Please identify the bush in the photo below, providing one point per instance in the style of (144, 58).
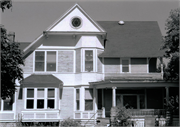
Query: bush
(70, 122)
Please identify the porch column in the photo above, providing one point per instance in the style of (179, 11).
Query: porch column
(167, 93)
(114, 96)
(103, 108)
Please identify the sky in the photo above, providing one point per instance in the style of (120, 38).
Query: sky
(29, 18)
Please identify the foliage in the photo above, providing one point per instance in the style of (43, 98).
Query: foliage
(6, 4)
(171, 45)
(172, 103)
(123, 116)
(11, 60)
(69, 122)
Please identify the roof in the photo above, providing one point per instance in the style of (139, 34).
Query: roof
(23, 45)
(41, 80)
(133, 39)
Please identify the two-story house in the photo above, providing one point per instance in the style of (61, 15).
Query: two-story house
(80, 68)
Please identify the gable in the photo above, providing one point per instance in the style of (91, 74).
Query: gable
(76, 12)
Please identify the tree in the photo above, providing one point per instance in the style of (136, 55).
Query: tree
(6, 4)
(171, 45)
(11, 60)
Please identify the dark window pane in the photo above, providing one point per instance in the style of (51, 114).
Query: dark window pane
(30, 104)
(20, 93)
(89, 66)
(142, 101)
(51, 61)
(88, 104)
(51, 66)
(40, 103)
(30, 93)
(125, 62)
(40, 93)
(77, 94)
(50, 104)
(130, 101)
(50, 93)
(39, 61)
(125, 69)
(89, 60)
(7, 105)
(77, 105)
(39, 66)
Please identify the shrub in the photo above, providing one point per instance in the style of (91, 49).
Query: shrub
(70, 122)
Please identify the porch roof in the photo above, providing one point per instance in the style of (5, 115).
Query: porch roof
(143, 83)
(39, 80)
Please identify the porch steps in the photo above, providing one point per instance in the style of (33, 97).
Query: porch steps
(103, 122)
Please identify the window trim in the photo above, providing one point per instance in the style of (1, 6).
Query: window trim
(13, 106)
(36, 98)
(94, 60)
(121, 65)
(45, 61)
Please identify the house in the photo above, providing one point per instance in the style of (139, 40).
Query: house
(81, 68)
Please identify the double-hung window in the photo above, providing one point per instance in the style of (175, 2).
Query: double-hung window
(45, 61)
(125, 65)
(89, 63)
(88, 99)
(77, 99)
(40, 98)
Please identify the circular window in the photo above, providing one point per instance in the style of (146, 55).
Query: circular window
(76, 22)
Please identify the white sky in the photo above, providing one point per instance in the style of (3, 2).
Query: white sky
(29, 18)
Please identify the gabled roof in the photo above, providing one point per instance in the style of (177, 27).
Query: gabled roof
(133, 39)
(39, 40)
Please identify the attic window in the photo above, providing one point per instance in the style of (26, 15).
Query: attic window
(76, 22)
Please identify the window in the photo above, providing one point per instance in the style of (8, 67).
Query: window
(88, 99)
(6, 105)
(40, 98)
(77, 99)
(89, 60)
(125, 65)
(45, 61)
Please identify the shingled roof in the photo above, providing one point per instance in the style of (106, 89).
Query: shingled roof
(133, 39)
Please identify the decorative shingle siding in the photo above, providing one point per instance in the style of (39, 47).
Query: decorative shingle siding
(28, 68)
(138, 65)
(67, 102)
(99, 61)
(112, 65)
(78, 60)
(65, 61)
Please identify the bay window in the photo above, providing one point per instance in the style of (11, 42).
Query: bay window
(89, 60)
(40, 98)
(125, 65)
(45, 61)
(6, 105)
(77, 99)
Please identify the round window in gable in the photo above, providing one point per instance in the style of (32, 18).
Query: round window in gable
(76, 22)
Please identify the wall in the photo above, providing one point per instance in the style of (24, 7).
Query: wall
(28, 68)
(65, 61)
(138, 65)
(67, 102)
(111, 65)
(99, 61)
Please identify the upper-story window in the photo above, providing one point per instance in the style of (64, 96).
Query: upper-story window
(125, 65)
(88, 60)
(45, 61)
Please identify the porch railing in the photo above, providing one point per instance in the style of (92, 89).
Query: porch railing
(84, 115)
(143, 112)
(40, 115)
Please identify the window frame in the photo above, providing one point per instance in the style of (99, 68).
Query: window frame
(45, 61)
(121, 65)
(2, 105)
(78, 100)
(45, 98)
(94, 59)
